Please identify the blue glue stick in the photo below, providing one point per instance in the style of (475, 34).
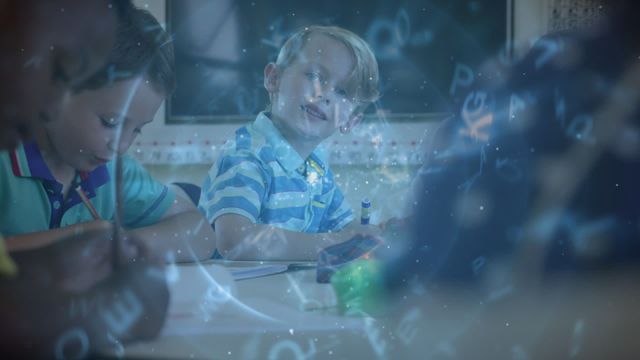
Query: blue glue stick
(364, 214)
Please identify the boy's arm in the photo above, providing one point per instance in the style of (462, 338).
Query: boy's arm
(34, 240)
(163, 219)
(240, 239)
(182, 231)
(232, 196)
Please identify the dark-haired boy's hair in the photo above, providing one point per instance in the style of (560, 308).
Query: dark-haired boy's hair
(122, 7)
(142, 47)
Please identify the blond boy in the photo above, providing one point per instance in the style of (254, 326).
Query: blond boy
(271, 194)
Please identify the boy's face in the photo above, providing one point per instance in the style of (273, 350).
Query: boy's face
(310, 96)
(85, 133)
(45, 49)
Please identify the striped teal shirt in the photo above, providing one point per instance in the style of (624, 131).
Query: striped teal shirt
(261, 177)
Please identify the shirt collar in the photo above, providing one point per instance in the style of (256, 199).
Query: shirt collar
(27, 161)
(285, 154)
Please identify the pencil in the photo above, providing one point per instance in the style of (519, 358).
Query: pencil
(87, 203)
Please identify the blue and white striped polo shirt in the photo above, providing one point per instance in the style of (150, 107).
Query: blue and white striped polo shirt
(261, 177)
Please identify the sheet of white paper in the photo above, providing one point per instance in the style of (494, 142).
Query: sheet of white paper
(257, 271)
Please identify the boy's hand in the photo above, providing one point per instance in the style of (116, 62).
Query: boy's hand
(83, 259)
(397, 228)
(395, 223)
(355, 228)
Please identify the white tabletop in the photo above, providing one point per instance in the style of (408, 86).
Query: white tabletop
(290, 316)
(277, 316)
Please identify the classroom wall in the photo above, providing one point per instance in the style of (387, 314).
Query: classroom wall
(529, 23)
(161, 144)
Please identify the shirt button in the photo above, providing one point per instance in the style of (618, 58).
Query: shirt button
(56, 204)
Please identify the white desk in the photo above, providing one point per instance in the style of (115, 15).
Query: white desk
(595, 316)
(265, 319)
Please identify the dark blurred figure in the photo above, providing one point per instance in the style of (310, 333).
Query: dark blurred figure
(47, 48)
(546, 153)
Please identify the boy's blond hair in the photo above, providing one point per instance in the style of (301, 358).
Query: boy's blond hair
(363, 81)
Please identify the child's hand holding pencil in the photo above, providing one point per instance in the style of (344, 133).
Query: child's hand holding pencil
(83, 257)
